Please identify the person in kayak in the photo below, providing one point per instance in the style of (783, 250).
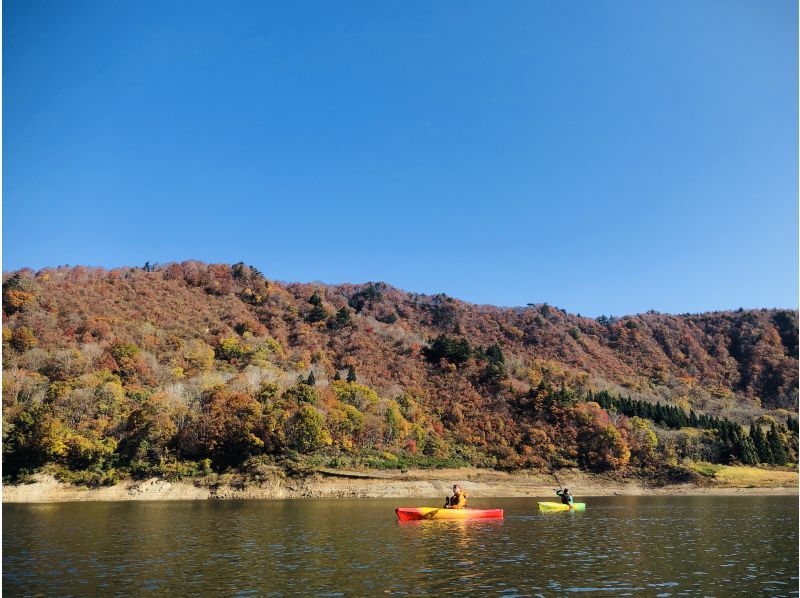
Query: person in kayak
(566, 497)
(458, 500)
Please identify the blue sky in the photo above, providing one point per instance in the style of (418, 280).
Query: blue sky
(603, 156)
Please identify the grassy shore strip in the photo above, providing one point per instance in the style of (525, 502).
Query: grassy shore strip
(726, 476)
(433, 484)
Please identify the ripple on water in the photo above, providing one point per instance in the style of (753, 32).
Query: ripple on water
(630, 546)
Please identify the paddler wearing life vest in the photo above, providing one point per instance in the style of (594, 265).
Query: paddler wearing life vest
(566, 497)
(458, 500)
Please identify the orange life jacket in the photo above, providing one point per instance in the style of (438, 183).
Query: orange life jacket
(458, 501)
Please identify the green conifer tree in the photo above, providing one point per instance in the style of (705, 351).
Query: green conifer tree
(760, 444)
(351, 374)
(693, 421)
(342, 318)
(317, 314)
(311, 380)
(776, 446)
(747, 451)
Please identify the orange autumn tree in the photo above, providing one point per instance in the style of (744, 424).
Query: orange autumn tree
(601, 445)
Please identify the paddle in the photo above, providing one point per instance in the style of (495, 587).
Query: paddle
(553, 472)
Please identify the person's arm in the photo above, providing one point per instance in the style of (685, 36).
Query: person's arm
(558, 492)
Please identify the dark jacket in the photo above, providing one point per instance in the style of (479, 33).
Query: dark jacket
(566, 497)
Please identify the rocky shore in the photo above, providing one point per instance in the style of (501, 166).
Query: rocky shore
(275, 484)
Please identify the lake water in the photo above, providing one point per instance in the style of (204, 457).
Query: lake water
(647, 546)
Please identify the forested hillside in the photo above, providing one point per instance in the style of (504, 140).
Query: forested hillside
(186, 368)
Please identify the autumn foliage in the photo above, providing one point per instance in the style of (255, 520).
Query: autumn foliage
(183, 368)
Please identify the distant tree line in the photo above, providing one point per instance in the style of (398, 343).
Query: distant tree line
(736, 444)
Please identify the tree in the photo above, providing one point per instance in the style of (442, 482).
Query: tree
(345, 425)
(23, 339)
(775, 441)
(760, 444)
(307, 430)
(267, 393)
(452, 349)
(237, 270)
(317, 314)
(341, 319)
(85, 451)
(601, 446)
(747, 451)
(228, 430)
(148, 433)
(129, 363)
(396, 425)
(14, 301)
(351, 373)
(199, 356)
(32, 439)
(232, 349)
(311, 381)
(496, 367)
(301, 393)
(646, 440)
(337, 376)
(372, 292)
(355, 394)
(495, 354)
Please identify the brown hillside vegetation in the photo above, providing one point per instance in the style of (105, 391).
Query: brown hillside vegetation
(130, 369)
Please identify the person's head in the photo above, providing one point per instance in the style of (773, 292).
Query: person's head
(566, 490)
(456, 489)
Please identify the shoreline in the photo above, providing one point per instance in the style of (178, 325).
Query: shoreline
(274, 484)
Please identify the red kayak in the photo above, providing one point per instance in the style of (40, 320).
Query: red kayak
(419, 513)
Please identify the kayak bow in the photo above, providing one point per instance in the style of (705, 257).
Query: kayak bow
(420, 513)
(557, 506)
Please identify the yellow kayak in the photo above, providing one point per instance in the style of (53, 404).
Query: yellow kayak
(557, 506)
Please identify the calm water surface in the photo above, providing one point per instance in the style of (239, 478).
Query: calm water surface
(651, 546)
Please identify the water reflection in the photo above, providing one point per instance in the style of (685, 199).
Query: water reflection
(623, 545)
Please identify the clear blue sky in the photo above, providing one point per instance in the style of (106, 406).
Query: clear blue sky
(603, 156)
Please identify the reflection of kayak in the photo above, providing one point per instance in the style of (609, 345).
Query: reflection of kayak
(417, 513)
(557, 506)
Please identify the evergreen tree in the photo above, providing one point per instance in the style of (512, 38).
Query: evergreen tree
(315, 299)
(776, 446)
(351, 374)
(337, 375)
(454, 350)
(311, 381)
(496, 368)
(747, 451)
(238, 271)
(494, 354)
(147, 267)
(342, 318)
(317, 314)
(724, 432)
(760, 444)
